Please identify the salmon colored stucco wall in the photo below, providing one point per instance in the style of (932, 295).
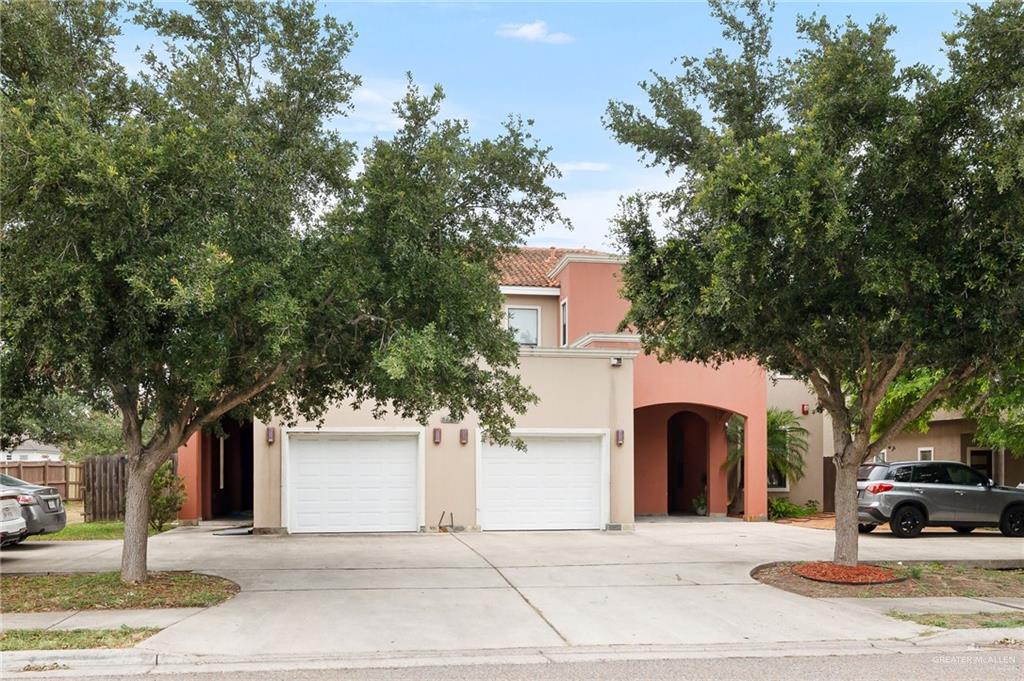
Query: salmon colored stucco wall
(592, 290)
(596, 306)
(735, 387)
(189, 460)
(650, 467)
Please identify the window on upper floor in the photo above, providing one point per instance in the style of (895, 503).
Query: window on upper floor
(565, 323)
(925, 453)
(525, 324)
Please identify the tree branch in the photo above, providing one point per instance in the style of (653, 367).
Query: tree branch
(941, 389)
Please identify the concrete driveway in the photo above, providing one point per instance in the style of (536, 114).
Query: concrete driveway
(670, 582)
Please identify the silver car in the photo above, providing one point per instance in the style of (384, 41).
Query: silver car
(913, 495)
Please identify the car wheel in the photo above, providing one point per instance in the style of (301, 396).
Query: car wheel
(907, 522)
(963, 530)
(864, 528)
(1012, 523)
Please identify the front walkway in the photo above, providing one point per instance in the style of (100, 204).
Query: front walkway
(672, 583)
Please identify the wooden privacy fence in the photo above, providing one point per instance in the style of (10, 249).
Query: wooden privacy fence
(64, 476)
(105, 479)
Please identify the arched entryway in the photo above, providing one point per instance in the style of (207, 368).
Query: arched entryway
(686, 458)
(678, 453)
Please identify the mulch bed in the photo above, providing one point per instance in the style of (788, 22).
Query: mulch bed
(922, 579)
(845, 574)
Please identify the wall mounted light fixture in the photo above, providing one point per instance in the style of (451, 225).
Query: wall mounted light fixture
(437, 436)
(270, 434)
(620, 436)
(463, 436)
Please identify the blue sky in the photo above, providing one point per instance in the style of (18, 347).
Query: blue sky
(559, 64)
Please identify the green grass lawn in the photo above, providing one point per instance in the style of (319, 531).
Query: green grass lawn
(70, 639)
(105, 591)
(109, 529)
(979, 620)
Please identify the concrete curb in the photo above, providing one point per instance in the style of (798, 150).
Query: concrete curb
(83, 663)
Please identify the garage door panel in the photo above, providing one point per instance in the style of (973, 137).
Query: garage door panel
(555, 484)
(345, 483)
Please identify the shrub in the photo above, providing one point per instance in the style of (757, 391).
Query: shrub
(784, 508)
(166, 495)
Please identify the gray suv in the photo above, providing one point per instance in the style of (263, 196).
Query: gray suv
(914, 494)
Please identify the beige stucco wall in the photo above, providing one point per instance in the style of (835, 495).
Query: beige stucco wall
(943, 436)
(576, 390)
(549, 320)
(790, 393)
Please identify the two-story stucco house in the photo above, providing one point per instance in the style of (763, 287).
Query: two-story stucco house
(615, 434)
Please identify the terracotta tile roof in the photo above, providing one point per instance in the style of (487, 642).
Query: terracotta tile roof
(529, 266)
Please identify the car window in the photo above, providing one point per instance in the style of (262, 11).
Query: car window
(936, 475)
(962, 475)
(900, 474)
(11, 481)
(872, 472)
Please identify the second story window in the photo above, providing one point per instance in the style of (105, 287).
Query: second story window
(525, 324)
(565, 323)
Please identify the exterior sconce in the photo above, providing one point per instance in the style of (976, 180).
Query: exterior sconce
(437, 436)
(271, 431)
(463, 436)
(620, 436)
(805, 409)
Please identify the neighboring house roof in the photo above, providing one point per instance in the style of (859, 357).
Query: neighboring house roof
(529, 266)
(38, 447)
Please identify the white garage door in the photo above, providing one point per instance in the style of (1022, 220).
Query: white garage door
(556, 484)
(352, 483)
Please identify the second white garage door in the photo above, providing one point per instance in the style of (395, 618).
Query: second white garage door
(558, 483)
(346, 482)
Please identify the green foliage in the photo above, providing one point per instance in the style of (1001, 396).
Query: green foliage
(166, 496)
(995, 402)
(65, 421)
(787, 443)
(838, 216)
(784, 508)
(841, 217)
(167, 253)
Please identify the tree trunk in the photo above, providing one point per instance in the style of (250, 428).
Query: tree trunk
(136, 520)
(846, 510)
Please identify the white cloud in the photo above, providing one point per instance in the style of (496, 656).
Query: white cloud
(591, 212)
(372, 104)
(583, 167)
(536, 32)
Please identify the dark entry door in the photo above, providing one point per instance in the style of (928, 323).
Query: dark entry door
(981, 461)
(687, 460)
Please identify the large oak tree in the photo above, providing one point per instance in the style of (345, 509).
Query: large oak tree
(838, 216)
(196, 240)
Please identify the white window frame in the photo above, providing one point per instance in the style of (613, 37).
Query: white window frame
(588, 433)
(882, 456)
(421, 462)
(922, 450)
(563, 322)
(780, 489)
(537, 308)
